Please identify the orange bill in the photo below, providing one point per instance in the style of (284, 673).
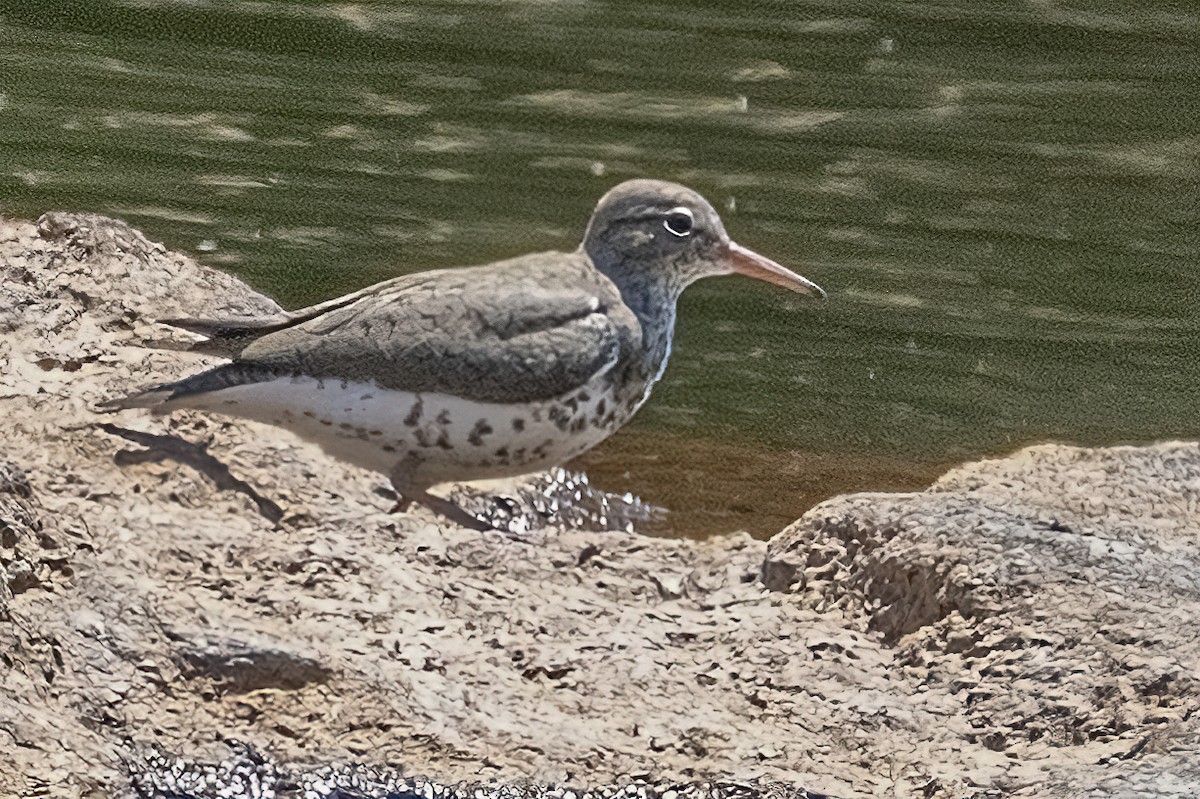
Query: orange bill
(749, 263)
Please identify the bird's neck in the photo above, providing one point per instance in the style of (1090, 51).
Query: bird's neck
(651, 293)
(653, 302)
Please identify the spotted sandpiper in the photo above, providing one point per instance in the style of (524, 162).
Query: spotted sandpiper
(481, 372)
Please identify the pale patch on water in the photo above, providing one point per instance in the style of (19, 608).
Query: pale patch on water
(305, 236)
(1163, 248)
(948, 101)
(847, 186)
(346, 131)
(163, 3)
(109, 64)
(1175, 158)
(857, 236)
(795, 121)
(392, 106)
(581, 164)
(460, 139)
(1054, 12)
(1178, 158)
(891, 299)
(831, 26)
(205, 125)
(162, 212)
(365, 168)
(231, 182)
(446, 144)
(227, 133)
(445, 175)
(356, 16)
(644, 106)
(761, 71)
(33, 177)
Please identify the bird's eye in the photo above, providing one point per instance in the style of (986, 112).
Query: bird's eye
(679, 221)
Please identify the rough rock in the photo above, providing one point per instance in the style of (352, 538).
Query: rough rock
(248, 774)
(1023, 628)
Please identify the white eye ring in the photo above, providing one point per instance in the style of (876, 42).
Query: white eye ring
(679, 221)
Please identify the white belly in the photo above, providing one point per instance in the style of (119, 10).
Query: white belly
(449, 437)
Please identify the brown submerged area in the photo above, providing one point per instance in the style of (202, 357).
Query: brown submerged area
(1025, 627)
(710, 487)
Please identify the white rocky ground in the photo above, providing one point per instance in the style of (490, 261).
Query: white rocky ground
(1026, 627)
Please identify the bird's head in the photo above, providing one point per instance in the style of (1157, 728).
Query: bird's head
(652, 231)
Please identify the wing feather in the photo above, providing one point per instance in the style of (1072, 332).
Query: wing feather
(519, 331)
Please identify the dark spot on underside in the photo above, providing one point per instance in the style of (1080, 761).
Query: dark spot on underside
(414, 415)
(560, 417)
(481, 429)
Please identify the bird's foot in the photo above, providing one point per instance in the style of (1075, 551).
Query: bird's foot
(442, 507)
(407, 493)
(451, 512)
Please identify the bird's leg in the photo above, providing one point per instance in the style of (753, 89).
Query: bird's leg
(447, 509)
(407, 494)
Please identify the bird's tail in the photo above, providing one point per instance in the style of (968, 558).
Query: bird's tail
(152, 398)
(167, 396)
(224, 337)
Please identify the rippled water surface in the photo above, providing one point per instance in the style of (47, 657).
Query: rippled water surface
(1001, 197)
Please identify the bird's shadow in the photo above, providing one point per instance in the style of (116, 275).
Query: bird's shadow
(166, 447)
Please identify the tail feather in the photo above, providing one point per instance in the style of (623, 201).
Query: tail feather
(149, 398)
(216, 328)
(227, 337)
(159, 397)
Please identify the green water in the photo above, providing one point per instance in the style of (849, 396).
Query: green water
(1001, 197)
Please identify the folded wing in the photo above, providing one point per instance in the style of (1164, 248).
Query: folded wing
(511, 332)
